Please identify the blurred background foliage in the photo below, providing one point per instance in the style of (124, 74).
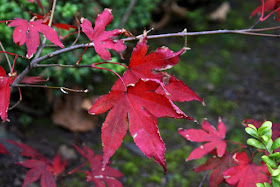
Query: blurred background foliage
(225, 70)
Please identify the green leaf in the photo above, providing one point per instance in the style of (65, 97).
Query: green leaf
(275, 155)
(253, 127)
(276, 181)
(269, 169)
(255, 143)
(264, 138)
(266, 126)
(268, 133)
(260, 185)
(252, 132)
(276, 144)
(268, 145)
(267, 184)
(269, 162)
(275, 172)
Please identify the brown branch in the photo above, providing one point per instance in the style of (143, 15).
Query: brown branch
(253, 32)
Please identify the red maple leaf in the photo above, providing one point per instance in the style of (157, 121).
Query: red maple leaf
(142, 106)
(103, 40)
(269, 5)
(40, 166)
(5, 82)
(214, 138)
(96, 174)
(28, 32)
(150, 66)
(218, 165)
(245, 173)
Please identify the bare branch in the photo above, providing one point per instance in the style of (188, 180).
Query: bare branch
(253, 32)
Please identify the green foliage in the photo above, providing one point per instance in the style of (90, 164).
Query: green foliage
(262, 140)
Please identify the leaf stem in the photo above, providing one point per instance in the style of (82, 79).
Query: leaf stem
(124, 85)
(6, 56)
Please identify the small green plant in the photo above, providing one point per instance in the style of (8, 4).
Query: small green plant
(262, 140)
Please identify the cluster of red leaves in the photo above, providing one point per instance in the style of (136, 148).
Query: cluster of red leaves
(47, 171)
(99, 176)
(234, 169)
(268, 5)
(144, 94)
(39, 166)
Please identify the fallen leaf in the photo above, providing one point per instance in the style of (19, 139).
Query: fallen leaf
(69, 114)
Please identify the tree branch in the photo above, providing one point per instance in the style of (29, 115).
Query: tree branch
(253, 32)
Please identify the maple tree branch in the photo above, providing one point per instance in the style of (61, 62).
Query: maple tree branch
(36, 61)
(204, 178)
(62, 89)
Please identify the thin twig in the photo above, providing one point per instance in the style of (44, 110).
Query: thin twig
(6, 56)
(128, 13)
(63, 89)
(204, 178)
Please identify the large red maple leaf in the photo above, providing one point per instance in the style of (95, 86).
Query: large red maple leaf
(103, 40)
(139, 106)
(40, 166)
(96, 174)
(245, 173)
(28, 32)
(218, 165)
(209, 134)
(143, 65)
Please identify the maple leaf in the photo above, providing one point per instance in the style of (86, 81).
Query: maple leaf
(40, 166)
(96, 174)
(5, 82)
(103, 40)
(209, 134)
(28, 32)
(150, 66)
(245, 173)
(218, 165)
(142, 106)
